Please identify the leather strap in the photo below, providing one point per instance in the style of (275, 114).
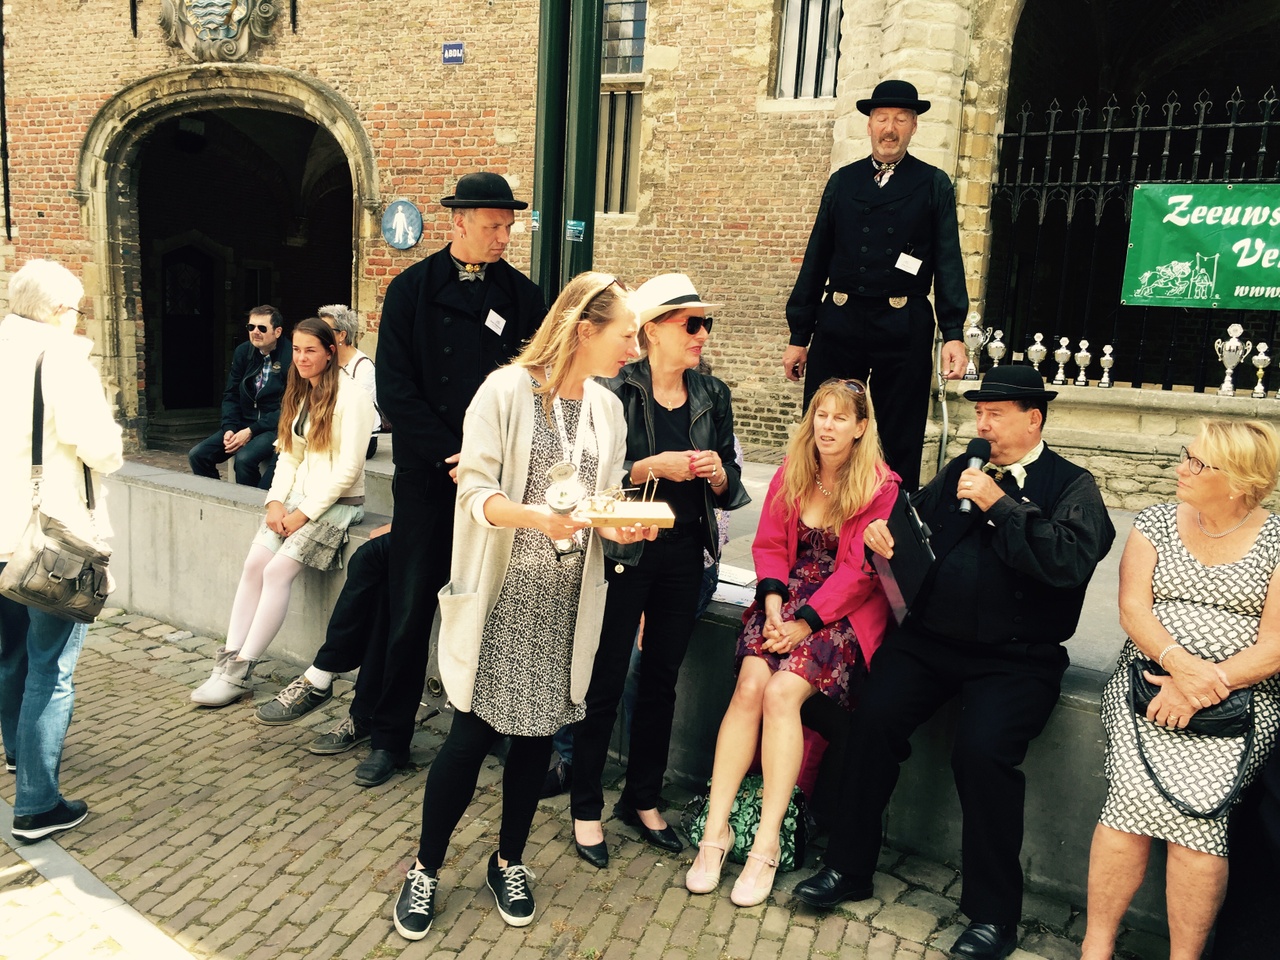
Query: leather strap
(37, 440)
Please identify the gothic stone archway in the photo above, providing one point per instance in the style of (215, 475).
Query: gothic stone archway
(106, 187)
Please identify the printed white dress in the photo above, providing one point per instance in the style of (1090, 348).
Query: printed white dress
(1213, 611)
(526, 653)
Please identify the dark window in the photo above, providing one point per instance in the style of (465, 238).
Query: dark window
(623, 36)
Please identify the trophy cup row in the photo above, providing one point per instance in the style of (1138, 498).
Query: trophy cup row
(1231, 352)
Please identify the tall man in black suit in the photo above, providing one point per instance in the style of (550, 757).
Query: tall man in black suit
(250, 405)
(1009, 584)
(447, 322)
(886, 232)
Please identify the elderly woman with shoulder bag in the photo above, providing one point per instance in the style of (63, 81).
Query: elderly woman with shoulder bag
(1200, 601)
(38, 650)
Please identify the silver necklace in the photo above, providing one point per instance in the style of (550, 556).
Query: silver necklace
(1219, 536)
(825, 491)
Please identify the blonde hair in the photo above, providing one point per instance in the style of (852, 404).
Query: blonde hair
(595, 298)
(858, 478)
(1247, 452)
(320, 399)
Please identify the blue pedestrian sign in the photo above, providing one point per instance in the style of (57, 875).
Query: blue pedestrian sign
(402, 224)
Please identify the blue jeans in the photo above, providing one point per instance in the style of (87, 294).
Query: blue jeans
(255, 463)
(38, 654)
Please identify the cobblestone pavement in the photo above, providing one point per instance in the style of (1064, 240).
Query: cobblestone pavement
(231, 839)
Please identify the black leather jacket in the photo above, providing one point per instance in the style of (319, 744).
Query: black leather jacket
(241, 407)
(710, 428)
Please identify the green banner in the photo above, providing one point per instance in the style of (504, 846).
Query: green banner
(1204, 245)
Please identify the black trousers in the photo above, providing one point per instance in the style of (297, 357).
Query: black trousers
(894, 349)
(451, 783)
(1007, 693)
(664, 586)
(255, 462)
(359, 628)
(1246, 925)
(419, 567)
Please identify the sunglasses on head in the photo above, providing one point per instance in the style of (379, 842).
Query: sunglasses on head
(693, 324)
(855, 386)
(260, 327)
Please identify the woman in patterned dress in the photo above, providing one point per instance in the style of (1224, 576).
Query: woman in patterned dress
(1200, 596)
(520, 616)
(316, 494)
(819, 615)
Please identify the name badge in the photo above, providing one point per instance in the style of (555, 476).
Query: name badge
(495, 322)
(909, 264)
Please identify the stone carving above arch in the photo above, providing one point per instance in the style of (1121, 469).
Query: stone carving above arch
(216, 29)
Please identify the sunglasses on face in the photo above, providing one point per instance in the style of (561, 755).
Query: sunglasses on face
(693, 324)
(260, 327)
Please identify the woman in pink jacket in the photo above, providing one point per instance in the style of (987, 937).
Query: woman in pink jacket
(818, 617)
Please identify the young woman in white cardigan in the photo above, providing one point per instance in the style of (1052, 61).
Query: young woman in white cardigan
(520, 616)
(316, 494)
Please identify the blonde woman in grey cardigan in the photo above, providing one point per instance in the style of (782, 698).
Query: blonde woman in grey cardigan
(520, 616)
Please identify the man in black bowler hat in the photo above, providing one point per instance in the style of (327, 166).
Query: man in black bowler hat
(1010, 580)
(886, 232)
(447, 322)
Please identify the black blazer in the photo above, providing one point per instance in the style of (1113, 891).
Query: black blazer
(437, 344)
(240, 407)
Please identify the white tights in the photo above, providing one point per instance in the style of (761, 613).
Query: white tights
(262, 601)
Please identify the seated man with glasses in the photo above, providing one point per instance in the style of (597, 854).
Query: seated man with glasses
(250, 405)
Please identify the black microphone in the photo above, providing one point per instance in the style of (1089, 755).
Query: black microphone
(979, 452)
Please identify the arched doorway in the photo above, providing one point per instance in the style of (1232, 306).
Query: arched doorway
(279, 233)
(1146, 91)
(208, 190)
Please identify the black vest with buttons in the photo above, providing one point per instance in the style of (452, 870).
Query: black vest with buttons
(976, 596)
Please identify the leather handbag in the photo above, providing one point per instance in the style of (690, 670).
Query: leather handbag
(1231, 718)
(52, 568)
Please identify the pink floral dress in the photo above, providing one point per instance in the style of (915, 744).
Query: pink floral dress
(830, 660)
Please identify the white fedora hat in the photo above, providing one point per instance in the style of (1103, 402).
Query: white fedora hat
(664, 293)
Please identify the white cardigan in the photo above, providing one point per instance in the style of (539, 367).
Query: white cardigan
(497, 437)
(78, 426)
(322, 478)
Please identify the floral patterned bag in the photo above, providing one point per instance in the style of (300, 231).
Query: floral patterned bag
(744, 818)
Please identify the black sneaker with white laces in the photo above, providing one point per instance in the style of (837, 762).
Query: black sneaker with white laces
(416, 905)
(510, 886)
(67, 814)
(293, 703)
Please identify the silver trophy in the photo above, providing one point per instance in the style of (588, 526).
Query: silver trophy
(1037, 352)
(1231, 353)
(996, 349)
(1106, 363)
(974, 340)
(1083, 358)
(1061, 356)
(1260, 362)
(563, 495)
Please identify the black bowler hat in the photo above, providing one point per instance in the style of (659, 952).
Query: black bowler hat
(483, 190)
(1015, 381)
(894, 93)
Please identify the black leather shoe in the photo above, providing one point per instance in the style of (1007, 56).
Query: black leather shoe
(828, 888)
(664, 839)
(377, 768)
(986, 941)
(596, 854)
(557, 781)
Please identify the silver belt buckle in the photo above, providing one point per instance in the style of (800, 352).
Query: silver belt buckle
(839, 299)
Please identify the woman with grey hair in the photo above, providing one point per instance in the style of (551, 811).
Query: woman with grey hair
(38, 650)
(355, 363)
